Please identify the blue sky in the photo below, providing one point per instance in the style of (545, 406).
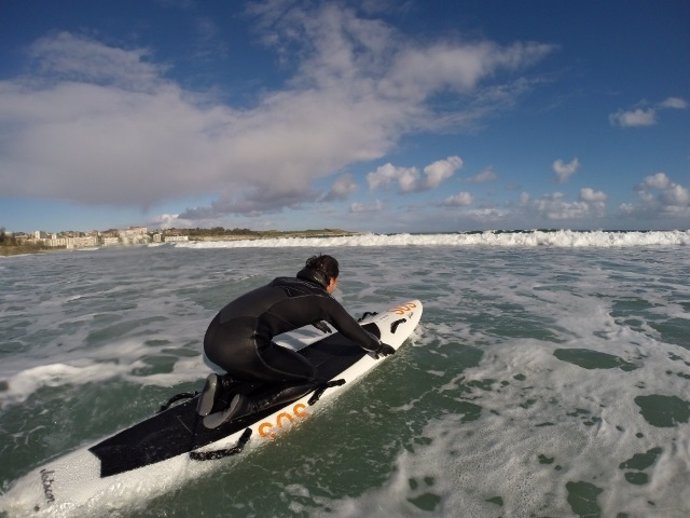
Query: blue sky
(371, 115)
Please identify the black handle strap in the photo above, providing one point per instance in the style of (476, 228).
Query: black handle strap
(226, 452)
(320, 390)
(176, 397)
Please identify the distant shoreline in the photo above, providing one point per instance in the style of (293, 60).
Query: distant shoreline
(7, 250)
(10, 250)
(212, 238)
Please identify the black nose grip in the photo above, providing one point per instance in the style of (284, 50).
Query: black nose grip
(394, 325)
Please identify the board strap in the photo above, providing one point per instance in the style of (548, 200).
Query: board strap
(322, 388)
(175, 398)
(225, 452)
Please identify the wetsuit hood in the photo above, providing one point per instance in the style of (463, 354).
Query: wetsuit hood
(307, 274)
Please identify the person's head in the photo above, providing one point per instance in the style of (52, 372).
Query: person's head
(327, 267)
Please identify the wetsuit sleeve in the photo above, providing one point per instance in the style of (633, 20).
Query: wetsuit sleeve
(350, 328)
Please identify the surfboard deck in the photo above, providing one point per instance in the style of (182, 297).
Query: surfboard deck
(152, 456)
(180, 429)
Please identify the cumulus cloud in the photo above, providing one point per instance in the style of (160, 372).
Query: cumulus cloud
(655, 181)
(165, 221)
(484, 176)
(342, 188)
(633, 118)
(460, 199)
(102, 124)
(250, 202)
(591, 196)
(556, 207)
(565, 170)
(406, 177)
(359, 207)
(660, 196)
(490, 214)
(645, 116)
(441, 170)
(596, 200)
(409, 179)
(674, 103)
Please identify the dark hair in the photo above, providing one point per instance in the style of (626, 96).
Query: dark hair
(324, 264)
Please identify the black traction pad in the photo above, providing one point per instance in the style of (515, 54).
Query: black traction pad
(179, 429)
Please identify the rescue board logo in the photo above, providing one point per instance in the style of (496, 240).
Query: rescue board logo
(270, 430)
(403, 308)
(47, 482)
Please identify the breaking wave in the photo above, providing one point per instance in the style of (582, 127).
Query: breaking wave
(533, 238)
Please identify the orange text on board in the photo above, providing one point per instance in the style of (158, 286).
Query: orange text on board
(403, 308)
(270, 429)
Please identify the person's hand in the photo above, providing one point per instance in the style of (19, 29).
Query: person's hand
(322, 326)
(385, 350)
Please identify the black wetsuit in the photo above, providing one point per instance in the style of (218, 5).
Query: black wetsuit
(239, 339)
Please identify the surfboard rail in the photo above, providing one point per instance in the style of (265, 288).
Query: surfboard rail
(136, 462)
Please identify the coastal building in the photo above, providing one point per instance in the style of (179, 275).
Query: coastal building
(134, 236)
(82, 242)
(113, 237)
(110, 240)
(55, 241)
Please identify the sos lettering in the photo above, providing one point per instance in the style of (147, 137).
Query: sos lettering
(270, 430)
(403, 308)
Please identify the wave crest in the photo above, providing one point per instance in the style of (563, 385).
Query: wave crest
(533, 238)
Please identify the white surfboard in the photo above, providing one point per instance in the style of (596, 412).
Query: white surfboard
(162, 452)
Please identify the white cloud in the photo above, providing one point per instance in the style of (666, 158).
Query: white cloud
(460, 199)
(165, 221)
(416, 71)
(676, 196)
(656, 181)
(441, 170)
(68, 57)
(383, 176)
(660, 196)
(591, 196)
(409, 179)
(596, 200)
(565, 170)
(101, 124)
(555, 207)
(645, 116)
(489, 214)
(484, 176)
(675, 103)
(670, 194)
(359, 207)
(342, 187)
(634, 118)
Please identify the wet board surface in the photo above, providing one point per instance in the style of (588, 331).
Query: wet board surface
(179, 429)
(163, 451)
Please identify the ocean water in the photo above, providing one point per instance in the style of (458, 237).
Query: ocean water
(549, 377)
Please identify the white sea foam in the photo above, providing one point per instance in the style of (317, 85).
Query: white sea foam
(407, 441)
(26, 382)
(81, 366)
(560, 238)
(531, 441)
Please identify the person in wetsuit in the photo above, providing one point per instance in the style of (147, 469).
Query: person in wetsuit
(240, 337)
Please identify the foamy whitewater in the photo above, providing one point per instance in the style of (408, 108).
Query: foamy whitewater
(550, 375)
